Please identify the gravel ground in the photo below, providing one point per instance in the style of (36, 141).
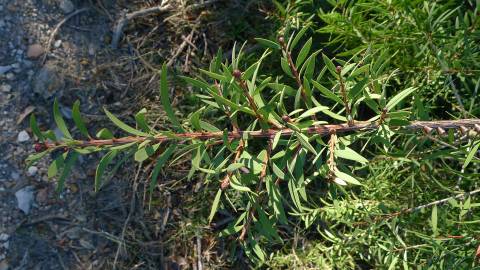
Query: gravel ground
(40, 229)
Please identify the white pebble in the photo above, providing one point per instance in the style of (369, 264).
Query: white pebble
(23, 136)
(32, 170)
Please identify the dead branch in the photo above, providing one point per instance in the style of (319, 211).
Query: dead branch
(55, 30)
(118, 30)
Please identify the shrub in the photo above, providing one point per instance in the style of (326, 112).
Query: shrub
(326, 147)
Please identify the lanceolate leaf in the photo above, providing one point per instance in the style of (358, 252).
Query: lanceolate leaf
(124, 126)
(268, 43)
(158, 166)
(57, 115)
(329, 94)
(141, 121)
(102, 165)
(56, 165)
(471, 154)
(70, 160)
(215, 204)
(35, 129)
(399, 97)
(164, 96)
(347, 178)
(77, 118)
(348, 153)
(312, 111)
(302, 55)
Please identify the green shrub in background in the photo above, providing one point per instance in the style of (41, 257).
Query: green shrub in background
(314, 160)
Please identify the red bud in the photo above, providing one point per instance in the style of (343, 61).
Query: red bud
(237, 74)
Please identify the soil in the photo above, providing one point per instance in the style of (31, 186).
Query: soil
(39, 228)
(61, 49)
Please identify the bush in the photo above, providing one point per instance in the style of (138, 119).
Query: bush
(314, 160)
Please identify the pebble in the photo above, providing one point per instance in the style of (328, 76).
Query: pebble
(23, 136)
(5, 69)
(48, 81)
(66, 6)
(57, 43)
(32, 170)
(25, 199)
(34, 51)
(15, 176)
(4, 237)
(42, 196)
(5, 88)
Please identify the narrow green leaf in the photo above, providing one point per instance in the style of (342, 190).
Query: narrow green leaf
(328, 94)
(434, 220)
(215, 204)
(302, 55)
(329, 64)
(35, 129)
(303, 139)
(213, 75)
(208, 127)
(312, 111)
(299, 36)
(31, 159)
(347, 178)
(234, 166)
(357, 89)
(164, 96)
(57, 115)
(399, 97)
(348, 153)
(278, 172)
(56, 165)
(141, 121)
(102, 165)
(77, 118)
(104, 134)
(144, 153)
(158, 166)
(70, 160)
(124, 126)
(235, 184)
(268, 43)
(285, 67)
(276, 139)
(471, 154)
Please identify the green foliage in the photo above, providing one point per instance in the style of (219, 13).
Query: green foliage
(255, 143)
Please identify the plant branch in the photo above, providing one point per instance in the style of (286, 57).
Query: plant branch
(321, 130)
(293, 68)
(343, 92)
(251, 211)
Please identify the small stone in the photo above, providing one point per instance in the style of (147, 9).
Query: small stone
(66, 6)
(5, 88)
(10, 76)
(15, 176)
(48, 81)
(32, 170)
(34, 51)
(25, 199)
(4, 237)
(57, 43)
(5, 69)
(23, 136)
(42, 196)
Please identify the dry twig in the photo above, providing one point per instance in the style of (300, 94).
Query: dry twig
(55, 30)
